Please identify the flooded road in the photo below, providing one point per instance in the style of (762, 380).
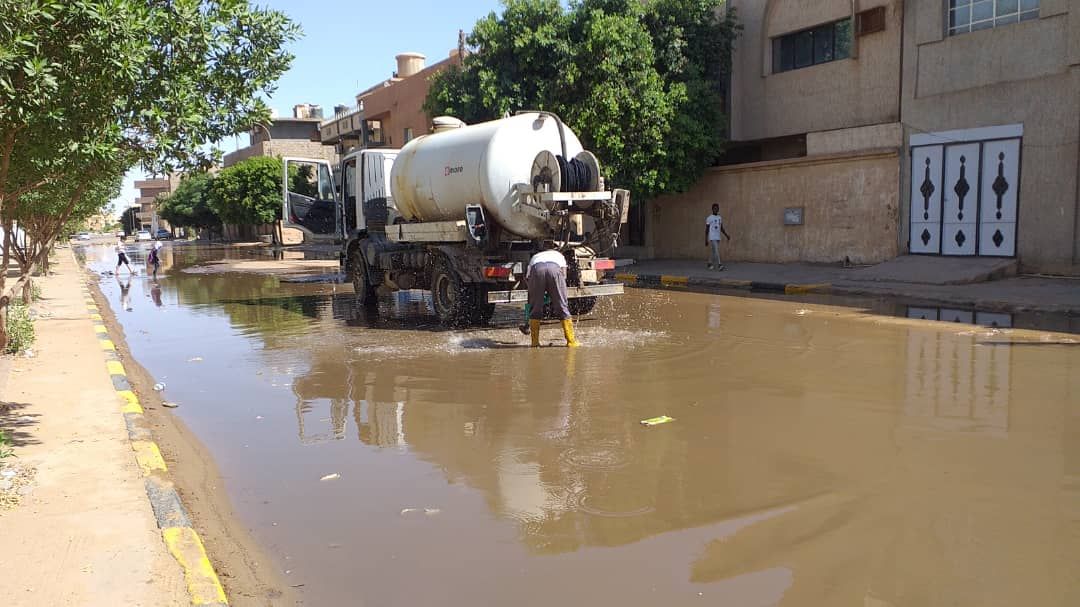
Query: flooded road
(818, 455)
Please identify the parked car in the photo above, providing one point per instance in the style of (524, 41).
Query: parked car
(163, 234)
(120, 234)
(142, 235)
(84, 236)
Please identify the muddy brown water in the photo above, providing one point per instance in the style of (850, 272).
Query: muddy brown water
(818, 456)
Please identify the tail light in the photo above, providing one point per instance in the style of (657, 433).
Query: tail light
(497, 272)
(603, 264)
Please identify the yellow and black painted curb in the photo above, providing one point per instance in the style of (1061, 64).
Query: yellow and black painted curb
(670, 280)
(204, 587)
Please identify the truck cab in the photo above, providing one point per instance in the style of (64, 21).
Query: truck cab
(325, 211)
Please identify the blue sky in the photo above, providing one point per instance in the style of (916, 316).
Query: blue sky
(349, 45)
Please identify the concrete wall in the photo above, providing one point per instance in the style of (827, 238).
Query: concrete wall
(850, 210)
(842, 141)
(1026, 73)
(862, 90)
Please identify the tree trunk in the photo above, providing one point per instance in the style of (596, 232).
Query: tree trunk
(3, 279)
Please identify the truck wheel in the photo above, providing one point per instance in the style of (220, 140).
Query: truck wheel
(581, 306)
(449, 296)
(481, 310)
(361, 278)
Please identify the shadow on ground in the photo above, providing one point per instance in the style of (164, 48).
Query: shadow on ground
(17, 425)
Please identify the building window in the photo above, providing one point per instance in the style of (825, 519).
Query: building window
(821, 44)
(408, 135)
(972, 15)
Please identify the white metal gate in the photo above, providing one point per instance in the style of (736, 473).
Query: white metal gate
(964, 194)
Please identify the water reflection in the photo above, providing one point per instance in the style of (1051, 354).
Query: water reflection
(815, 459)
(969, 317)
(956, 384)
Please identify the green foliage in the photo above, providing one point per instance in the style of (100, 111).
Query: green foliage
(5, 446)
(303, 180)
(249, 192)
(35, 292)
(130, 220)
(20, 328)
(65, 203)
(149, 82)
(190, 204)
(639, 81)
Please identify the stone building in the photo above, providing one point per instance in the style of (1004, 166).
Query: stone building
(149, 190)
(296, 136)
(834, 104)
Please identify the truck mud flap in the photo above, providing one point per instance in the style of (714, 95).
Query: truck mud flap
(522, 296)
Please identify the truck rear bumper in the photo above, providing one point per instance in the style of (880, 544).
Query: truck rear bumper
(522, 296)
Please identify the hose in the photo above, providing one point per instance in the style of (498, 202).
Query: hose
(576, 175)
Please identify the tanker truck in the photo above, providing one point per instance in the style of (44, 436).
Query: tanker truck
(460, 211)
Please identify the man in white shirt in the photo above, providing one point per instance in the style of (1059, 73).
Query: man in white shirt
(547, 276)
(121, 258)
(714, 227)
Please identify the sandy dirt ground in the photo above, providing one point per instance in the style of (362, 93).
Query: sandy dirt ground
(246, 572)
(85, 533)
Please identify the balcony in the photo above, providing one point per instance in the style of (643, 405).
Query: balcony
(153, 182)
(344, 125)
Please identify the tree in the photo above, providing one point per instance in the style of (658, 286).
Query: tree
(639, 81)
(190, 204)
(249, 192)
(48, 211)
(88, 86)
(129, 219)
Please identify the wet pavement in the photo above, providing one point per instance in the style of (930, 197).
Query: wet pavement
(819, 455)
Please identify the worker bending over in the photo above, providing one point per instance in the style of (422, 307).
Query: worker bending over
(547, 276)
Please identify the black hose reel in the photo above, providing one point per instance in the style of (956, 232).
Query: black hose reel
(555, 173)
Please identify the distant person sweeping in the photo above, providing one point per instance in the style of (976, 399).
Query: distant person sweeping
(546, 276)
(121, 257)
(154, 259)
(714, 227)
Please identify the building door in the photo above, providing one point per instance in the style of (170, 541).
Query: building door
(926, 189)
(964, 193)
(958, 233)
(999, 186)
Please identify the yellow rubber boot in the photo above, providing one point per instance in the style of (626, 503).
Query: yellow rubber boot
(534, 332)
(568, 331)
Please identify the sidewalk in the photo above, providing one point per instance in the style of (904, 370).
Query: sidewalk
(1016, 294)
(85, 534)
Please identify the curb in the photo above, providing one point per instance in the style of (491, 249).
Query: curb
(183, 543)
(668, 280)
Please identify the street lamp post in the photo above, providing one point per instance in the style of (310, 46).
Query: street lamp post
(269, 137)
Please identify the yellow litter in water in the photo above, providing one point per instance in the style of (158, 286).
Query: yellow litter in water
(656, 421)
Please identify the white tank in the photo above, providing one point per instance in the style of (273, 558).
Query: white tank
(434, 177)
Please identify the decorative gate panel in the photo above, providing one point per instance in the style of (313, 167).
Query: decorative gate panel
(965, 191)
(999, 186)
(961, 209)
(926, 173)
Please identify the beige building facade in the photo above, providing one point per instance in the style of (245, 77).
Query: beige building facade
(391, 112)
(997, 94)
(149, 190)
(835, 104)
